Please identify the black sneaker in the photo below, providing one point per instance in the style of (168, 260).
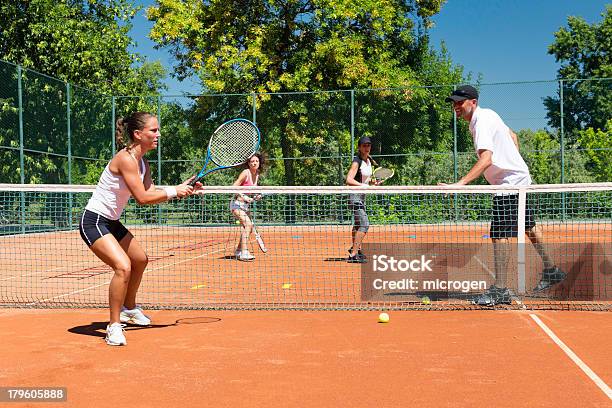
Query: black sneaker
(550, 277)
(502, 296)
(356, 259)
(360, 254)
(493, 296)
(484, 299)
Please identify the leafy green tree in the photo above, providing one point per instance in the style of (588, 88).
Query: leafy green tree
(584, 52)
(265, 46)
(598, 148)
(80, 42)
(84, 42)
(541, 152)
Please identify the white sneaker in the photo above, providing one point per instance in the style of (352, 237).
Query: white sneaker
(246, 256)
(134, 316)
(114, 335)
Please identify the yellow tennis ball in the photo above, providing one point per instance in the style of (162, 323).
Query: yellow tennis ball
(425, 300)
(383, 318)
(237, 221)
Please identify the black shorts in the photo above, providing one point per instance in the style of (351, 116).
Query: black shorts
(505, 214)
(94, 226)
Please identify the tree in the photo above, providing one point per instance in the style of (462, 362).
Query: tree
(584, 52)
(598, 148)
(82, 42)
(264, 46)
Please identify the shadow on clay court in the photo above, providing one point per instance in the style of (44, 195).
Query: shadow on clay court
(98, 329)
(229, 257)
(336, 259)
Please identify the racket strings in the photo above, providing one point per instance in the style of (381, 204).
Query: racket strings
(233, 143)
(383, 173)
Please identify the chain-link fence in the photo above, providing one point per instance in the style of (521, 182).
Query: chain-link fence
(55, 132)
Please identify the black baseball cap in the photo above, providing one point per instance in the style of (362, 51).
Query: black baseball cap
(363, 140)
(462, 93)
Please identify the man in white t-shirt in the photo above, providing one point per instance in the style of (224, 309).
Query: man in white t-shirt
(501, 163)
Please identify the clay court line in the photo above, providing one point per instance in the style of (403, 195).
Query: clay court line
(484, 266)
(585, 368)
(103, 284)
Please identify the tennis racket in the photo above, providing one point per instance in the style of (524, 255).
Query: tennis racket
(259, 240)
(382, 173)
(258, 237)
(230, 145)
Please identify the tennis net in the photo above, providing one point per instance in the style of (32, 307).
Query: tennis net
(426, 248)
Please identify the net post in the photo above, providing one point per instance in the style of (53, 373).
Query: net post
(522, 210)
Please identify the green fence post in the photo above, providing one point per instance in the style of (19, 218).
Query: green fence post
(455, 160)
(340, 158)
(113, 120)
(562, 148)
(561, 132)
(69, 132)
(254, 118)
(254, 107)
(21, 150)
(68, 129)
(159, 169)
(352, 123)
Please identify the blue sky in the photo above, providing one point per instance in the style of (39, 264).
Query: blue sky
(504, 40)
(507, 40)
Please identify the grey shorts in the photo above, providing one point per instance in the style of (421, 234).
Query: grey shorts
(357, 204)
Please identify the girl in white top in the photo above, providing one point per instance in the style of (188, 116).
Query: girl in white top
(360, 174)
(126, 175)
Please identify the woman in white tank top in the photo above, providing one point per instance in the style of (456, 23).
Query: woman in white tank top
(359, 174)
(126, 175)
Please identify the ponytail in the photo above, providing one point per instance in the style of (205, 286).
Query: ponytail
(127, 126)
(120, 133)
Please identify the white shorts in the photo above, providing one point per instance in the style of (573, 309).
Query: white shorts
(239, 205)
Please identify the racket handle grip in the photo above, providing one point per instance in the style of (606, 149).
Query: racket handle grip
(193, 182)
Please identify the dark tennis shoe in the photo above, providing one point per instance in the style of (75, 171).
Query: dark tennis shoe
(484, 299)
(356, 259)
(493, 296)
(550, 277)
(360, 254)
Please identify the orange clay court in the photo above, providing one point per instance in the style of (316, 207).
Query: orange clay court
(288, 358)
(312, 359)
